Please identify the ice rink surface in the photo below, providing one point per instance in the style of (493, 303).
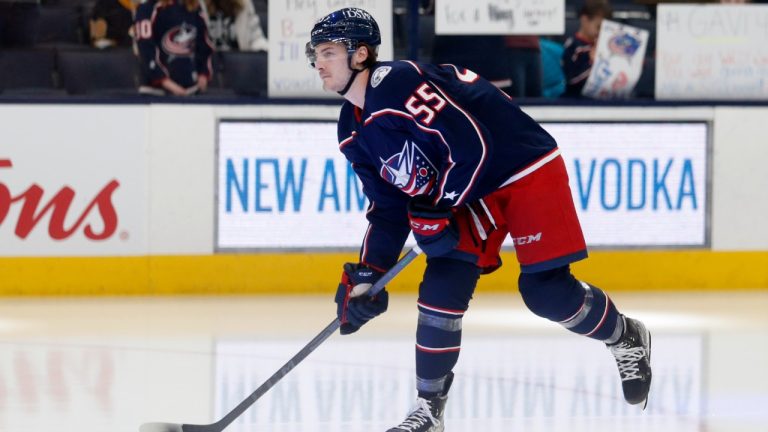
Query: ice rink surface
(111, 364)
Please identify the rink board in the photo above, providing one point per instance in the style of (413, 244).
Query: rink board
(90, 208)
(297, 273)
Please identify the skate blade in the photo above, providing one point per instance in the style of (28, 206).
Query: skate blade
(645, 402)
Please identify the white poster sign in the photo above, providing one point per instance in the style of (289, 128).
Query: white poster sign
(712, 51)
(290, 23)
(286, 185)
(504, 17)
(76, 186)
(618, 61)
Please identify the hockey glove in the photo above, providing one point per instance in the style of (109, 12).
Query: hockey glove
(354, 307)
(433, 228)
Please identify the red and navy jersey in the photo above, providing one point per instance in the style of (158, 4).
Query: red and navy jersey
(440, 131)
(576, 63)
(173, 42)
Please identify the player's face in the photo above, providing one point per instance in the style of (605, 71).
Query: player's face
(332, 66)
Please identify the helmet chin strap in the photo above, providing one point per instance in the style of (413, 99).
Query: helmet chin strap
(349, 83)
(351, 78)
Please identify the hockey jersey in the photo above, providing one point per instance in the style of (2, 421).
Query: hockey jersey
(173, 43)
(577, 64)
(440, 131)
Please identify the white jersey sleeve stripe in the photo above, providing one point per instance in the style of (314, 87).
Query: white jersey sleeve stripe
(532, 167)
(364, 252)
(415, 66)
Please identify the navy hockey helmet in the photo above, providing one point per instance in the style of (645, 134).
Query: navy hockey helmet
(350, 26)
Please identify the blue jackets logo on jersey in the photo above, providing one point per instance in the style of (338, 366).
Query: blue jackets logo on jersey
(180, 40)
(410, 170)
(378, 75)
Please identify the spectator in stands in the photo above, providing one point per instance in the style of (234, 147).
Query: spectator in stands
(174, 47)
(552, 78)
(234, 25)
(19, 20)
(579, 49)
(523, 57)
(111, 23)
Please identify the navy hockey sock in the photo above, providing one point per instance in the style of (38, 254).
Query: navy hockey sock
(444, 296)
(579, 307)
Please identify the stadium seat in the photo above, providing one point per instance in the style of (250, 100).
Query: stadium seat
(645, 88)
(28, 71)
(245, 72)
(67, 3)
(105, 72)
(60, 25)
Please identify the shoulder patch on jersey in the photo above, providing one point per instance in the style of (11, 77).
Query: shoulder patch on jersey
(379, 74)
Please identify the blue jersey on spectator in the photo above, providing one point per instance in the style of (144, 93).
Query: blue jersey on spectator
(173, 42)
(440, 131)
(577, 64)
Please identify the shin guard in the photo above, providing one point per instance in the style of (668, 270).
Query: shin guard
(577, 306)
(438, 342)
(444, 296)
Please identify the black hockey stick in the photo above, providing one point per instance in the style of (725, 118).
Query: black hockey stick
(283, 371)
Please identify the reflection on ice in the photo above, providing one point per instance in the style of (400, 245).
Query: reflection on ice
(500, 382)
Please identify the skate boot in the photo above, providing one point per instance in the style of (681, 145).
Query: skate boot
(633, 356)
(427, 415)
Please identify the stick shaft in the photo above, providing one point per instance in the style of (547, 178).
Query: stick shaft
(311, 346)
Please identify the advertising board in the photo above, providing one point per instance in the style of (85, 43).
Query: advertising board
(284, 184)
(76, 186)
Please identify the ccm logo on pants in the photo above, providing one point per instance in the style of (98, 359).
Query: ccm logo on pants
(526, 239)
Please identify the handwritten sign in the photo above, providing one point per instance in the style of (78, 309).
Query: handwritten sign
(456, 17)
(712, 52)
(618, 61)
(290, 22)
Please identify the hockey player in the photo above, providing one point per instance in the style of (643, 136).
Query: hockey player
(443, 153)
(174, 48)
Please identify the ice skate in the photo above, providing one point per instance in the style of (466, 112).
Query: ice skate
(427, 415)
(633, 357)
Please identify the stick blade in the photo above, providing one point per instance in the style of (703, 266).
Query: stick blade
(160, 427)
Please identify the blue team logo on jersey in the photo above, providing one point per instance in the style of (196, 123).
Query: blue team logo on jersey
(410, 170)
(378, 75)
(180, 40)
